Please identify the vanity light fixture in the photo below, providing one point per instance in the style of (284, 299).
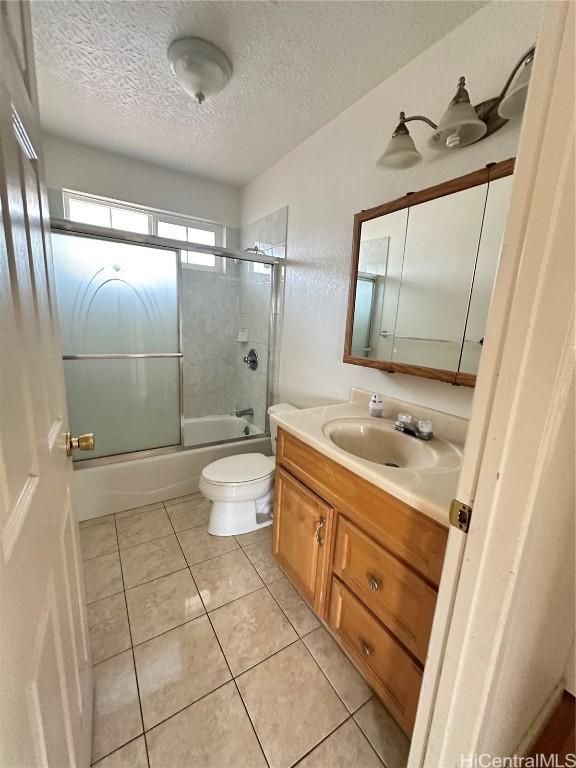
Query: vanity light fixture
(462, 123)
(200, 67)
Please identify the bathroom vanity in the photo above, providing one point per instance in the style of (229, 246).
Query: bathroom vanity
(364, 542)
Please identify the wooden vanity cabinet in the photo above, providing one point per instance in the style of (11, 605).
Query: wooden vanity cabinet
(367, 563)
(302, 537)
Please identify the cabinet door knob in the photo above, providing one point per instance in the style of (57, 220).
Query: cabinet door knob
(373, 582)
(319, 525)
(365, 648)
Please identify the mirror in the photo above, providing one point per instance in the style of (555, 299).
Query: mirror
(422, 273)
(496, 212)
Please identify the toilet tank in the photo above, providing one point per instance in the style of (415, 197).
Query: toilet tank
(278, 408)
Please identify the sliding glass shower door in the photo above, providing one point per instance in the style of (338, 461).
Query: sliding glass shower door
(119, 320)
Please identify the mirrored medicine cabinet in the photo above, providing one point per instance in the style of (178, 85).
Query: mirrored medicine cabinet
(423, 268)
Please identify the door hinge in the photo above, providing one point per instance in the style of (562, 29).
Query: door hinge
(460, 515)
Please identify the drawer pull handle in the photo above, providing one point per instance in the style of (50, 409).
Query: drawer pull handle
(366, 649)
(373, 583)
(319, 525)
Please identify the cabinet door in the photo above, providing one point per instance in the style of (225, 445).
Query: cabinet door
(302, 534)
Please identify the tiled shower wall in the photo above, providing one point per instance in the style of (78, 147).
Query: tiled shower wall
(214, 307)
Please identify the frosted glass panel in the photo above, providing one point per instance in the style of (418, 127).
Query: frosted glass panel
(130, 405)
(115, 297)
(362, 316)
(119, 298)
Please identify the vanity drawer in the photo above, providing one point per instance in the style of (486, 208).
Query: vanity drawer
(391, 671)
(408, 534)
(391, 590)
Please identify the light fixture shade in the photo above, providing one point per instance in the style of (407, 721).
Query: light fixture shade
(512, 105)
(400, 152)
(459, 126)
(200, 67)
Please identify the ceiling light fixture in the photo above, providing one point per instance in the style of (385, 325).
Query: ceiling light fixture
(200, 67)
(462, 123)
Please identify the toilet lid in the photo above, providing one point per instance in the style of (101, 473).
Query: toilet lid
(243, 468)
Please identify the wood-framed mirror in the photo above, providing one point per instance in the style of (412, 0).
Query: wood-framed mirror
(421, 278)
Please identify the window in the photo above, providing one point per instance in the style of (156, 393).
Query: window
(261, 269)
(193, 235)
(101, 212)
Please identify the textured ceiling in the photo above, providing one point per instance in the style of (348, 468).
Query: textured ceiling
(104, 78)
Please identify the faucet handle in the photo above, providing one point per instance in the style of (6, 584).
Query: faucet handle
(424, 427)
(406, 419)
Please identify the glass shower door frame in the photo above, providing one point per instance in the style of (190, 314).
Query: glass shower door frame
(64, 226)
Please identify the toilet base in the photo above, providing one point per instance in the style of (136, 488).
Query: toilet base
(232, 518)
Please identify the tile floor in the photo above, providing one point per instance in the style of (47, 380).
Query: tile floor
(205, 655)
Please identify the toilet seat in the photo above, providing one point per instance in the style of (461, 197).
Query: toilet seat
(239, 469)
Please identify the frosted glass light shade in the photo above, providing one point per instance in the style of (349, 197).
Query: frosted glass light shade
(400, 152)
(459, 126)
(512, 105)
(200, 67)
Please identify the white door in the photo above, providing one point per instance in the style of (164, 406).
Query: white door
(502, 629)
(45, 677)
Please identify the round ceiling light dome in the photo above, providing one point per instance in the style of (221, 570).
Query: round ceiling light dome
(200, 67)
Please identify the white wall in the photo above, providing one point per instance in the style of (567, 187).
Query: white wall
(332, 175)
(71, 165)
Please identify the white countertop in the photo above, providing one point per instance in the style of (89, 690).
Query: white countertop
(429, 490)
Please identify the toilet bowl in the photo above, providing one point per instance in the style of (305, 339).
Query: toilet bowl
(241, 488)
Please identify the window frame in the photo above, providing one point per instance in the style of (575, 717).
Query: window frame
(155, 216)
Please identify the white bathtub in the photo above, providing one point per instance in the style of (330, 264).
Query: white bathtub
(213, 429)
(123, 485)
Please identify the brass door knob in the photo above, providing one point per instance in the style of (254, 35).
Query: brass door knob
(82, 442)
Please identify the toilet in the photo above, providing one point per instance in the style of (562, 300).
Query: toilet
(241, 488)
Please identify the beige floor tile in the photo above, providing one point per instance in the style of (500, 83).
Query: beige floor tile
(143, 526)
(345, 748)
(182, 499)
(96, 521)
(148, 561)
(198, 545)
(384, 734)
(225, 578)
(116, 718)
(251, 629)
(162, 604)
(139, 510)
(344, 677)
(261, 557)
(177, 668)
(132, 755)
(103, 577)
(97, 540)
(213, 733)
(108, 624)
(245, 539)
(190, 513)
(301, 617)
(291, 704)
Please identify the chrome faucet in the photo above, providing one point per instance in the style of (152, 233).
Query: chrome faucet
(245, 412)
(420, 428)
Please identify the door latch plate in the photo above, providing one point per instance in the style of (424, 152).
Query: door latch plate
(460, 515)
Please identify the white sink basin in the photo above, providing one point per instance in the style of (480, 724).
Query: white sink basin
(377, 441)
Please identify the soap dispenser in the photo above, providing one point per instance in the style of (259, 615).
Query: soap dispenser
(375, 406)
